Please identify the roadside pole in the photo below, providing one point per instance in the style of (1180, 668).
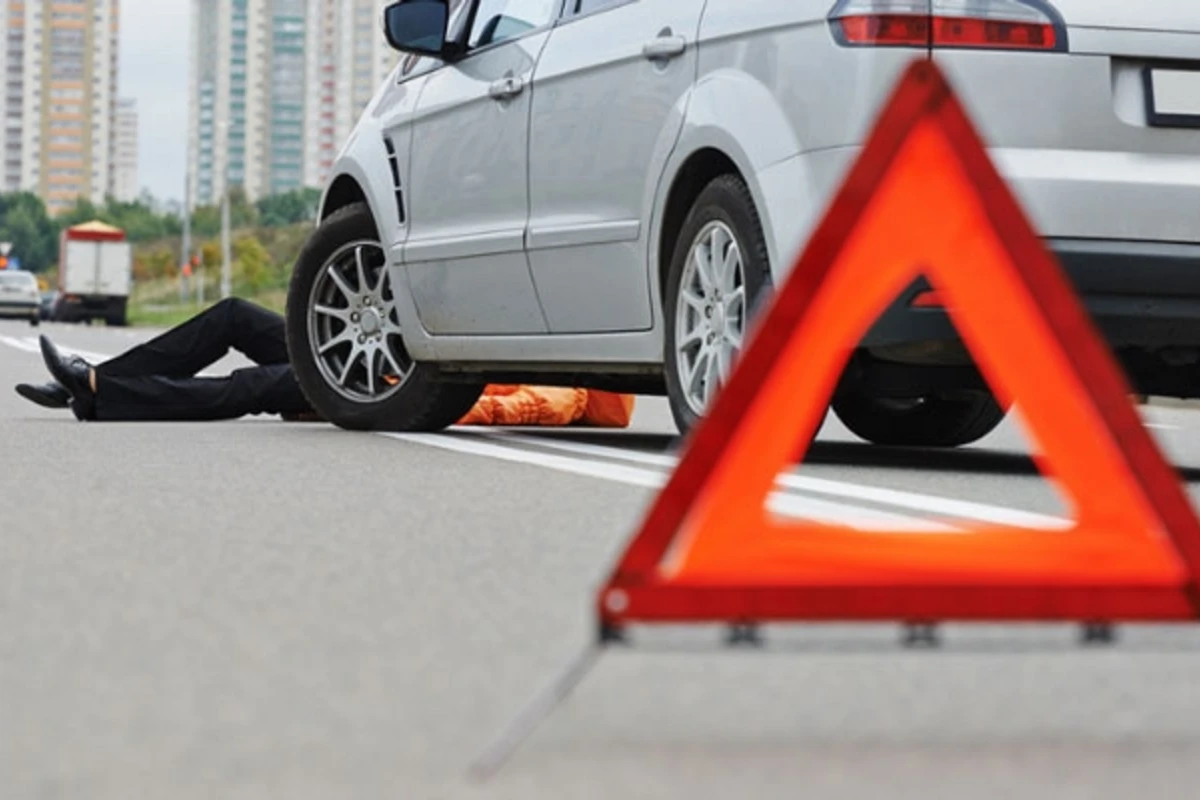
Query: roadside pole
(185, 259)
(226, 258)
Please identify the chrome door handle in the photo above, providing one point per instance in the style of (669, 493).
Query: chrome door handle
(506, 88)
(665, 48)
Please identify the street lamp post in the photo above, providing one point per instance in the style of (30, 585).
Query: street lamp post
(226, 255)
(186, 244)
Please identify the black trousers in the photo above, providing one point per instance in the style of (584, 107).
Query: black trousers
(157, 380)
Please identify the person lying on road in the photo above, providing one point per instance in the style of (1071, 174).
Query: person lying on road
(159, 380)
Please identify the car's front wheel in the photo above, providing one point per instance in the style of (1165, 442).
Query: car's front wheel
(719, 271)
(947, 419)
(345, 341)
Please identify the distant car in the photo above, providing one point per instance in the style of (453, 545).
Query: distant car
(49, 299)
(19, 296)
(599, 192)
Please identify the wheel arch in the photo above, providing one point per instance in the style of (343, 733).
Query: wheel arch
(344, 191)
(735, 126)
(699, 170)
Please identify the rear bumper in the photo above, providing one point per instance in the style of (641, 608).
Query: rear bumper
(1140, 294)
(1143, 296)
(71, 307)
(10, 308)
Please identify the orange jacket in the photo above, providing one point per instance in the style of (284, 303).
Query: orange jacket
(550, 406)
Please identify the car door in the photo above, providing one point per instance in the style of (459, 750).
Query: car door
(469, 197)
(607, 109)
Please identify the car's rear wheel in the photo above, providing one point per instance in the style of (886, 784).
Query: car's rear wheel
(718, 272)
(948, 419)
(345, 341)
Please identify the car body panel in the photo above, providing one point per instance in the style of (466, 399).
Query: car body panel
(1142, 15)
(604, 119)
(774, 93)
(465, 250)
(1070, 132)
(829, 94)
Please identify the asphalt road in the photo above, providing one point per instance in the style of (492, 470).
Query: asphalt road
(259, 609)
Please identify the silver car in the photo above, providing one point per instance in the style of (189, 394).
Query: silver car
(600, 193)
(19, 296)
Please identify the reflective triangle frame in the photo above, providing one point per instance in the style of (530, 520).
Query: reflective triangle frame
(923, 199)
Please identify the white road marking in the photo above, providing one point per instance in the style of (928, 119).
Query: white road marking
(964, 509)
(19, 344)
(30, 345)
(1161, 426)
(784, 503)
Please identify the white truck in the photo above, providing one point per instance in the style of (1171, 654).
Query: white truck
(95, 269)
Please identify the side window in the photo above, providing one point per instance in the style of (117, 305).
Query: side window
(581, 7)
(497, 20)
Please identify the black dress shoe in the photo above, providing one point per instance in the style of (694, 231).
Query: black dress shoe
(48, 395)
(72, 373)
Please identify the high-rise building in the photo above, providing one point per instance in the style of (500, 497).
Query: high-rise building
(320, 102)
(59, 106)
(12, 62)
(202, 104)
(276, 86)
(285, 128)
(125, 176)
(226, 120)
(348, 58)
(364, 59)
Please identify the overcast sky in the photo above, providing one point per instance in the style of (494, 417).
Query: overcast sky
(154, 71)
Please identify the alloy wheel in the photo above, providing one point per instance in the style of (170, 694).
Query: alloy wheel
(353, 328)
(710, 314)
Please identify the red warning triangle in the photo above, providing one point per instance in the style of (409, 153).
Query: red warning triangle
(924, 199)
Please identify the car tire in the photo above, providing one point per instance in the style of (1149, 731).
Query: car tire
(725, 209)
(949, 419)
(348, 384)
(34, 322)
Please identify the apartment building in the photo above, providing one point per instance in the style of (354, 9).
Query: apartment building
(125, 176)
(59, 100)
(348, 58)
(12, 63)
(276, 86)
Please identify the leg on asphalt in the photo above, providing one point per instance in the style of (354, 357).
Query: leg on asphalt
(203, 340)
(269, 389)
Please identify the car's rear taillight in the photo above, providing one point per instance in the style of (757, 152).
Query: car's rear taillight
(882, 23)
(960, 24)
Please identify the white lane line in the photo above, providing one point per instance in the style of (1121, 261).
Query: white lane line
(87, 355)
(30, 345)
(781, 503)
(19, 344)
(1161, 426)
(963, 509)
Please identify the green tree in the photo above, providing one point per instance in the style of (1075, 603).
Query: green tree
(206, 220)
(289, 208)
(84, 210)
(138, 219)
(252, 262)
(34, 236)
(242, 213)
(158, 262)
